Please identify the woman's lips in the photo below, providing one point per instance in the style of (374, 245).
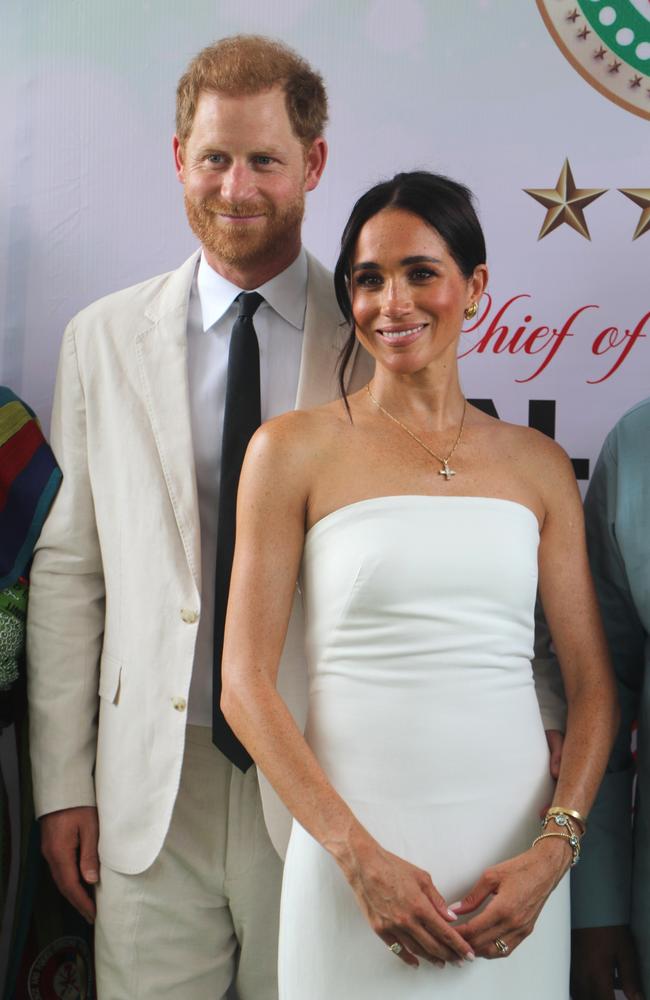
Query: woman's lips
(401, 336)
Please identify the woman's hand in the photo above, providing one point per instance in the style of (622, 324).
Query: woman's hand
(403, 906)
(519, 888)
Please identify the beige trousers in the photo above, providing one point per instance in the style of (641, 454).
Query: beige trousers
(205, 915)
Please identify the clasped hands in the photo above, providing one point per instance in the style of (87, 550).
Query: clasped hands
(404, 908)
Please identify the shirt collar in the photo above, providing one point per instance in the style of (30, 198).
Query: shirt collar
(286, 293)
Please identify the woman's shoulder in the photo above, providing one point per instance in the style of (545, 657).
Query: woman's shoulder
(297, 438)
(524, 442)
(538, 457)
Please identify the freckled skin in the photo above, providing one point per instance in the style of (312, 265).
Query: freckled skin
(395, 295)
(302, 466)
(245, 175)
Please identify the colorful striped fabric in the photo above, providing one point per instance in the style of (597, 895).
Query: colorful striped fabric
(29, 480)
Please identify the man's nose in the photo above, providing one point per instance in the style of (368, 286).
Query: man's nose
(237, 184)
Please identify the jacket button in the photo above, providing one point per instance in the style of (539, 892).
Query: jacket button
(189, 616)
(179, 704)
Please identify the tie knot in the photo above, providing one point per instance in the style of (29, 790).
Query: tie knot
(248, 303)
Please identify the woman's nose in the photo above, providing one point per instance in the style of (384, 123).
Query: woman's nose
(396, 300)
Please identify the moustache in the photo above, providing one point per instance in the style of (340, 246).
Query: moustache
(223, 208)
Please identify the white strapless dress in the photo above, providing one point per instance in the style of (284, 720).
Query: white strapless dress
(423, 714)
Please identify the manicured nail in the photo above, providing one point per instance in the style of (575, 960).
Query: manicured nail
(456, 906)
(438, 963)
(452, 915)
(91, 876)
(469, 956)
(459, 964)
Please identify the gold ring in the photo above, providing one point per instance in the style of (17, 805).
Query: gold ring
(501, 946)
(396, 948)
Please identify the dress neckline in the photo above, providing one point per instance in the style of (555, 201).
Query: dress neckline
(351, 507)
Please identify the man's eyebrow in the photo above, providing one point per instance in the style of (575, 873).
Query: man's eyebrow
(212, 148)
(267, 151)
(417, 259)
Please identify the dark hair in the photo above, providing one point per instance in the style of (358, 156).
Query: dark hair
(443, 204)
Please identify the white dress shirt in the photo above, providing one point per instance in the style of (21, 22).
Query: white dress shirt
(279, 323)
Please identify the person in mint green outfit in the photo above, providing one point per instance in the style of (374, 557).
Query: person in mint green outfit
(611, 885)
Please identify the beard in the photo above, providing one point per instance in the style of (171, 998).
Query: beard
(242, 245)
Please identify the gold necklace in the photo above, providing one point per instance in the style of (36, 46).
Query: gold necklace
(445, 471)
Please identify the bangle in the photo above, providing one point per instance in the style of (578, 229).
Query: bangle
(573, 842)
(573, 813)
(564, 823)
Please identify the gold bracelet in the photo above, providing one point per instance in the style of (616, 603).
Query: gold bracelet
(573, 841)
(573, 813)
(563, 821)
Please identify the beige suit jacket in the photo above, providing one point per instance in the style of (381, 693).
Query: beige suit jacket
(116, 579)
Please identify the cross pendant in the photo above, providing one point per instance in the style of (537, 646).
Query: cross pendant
(446, 472)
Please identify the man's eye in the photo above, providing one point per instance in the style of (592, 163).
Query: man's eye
(214, 158)
(264, 161)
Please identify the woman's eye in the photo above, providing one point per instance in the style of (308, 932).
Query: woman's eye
(367, 280)
(421, 274)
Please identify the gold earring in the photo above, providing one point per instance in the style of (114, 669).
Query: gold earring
(471, 311)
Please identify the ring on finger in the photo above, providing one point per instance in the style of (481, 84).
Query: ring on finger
(501, 946)
(396, 948)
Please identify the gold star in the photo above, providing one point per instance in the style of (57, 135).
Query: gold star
(640, 197)
(600, 53)
(584, 33)
(636, 81)
(614, 66)
(565, 203)
(573, 16)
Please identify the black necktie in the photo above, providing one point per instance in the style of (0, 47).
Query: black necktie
(241, 419)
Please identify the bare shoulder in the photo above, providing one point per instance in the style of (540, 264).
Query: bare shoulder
(531, 444)
(288, 450)
(542, 461)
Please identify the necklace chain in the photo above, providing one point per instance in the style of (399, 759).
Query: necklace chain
(445, 471)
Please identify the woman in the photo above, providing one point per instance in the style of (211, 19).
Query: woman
(421, 524)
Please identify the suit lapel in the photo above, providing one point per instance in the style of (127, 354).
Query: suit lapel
(324, 336)
(162, 359)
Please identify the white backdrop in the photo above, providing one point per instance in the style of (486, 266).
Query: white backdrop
(474, 88)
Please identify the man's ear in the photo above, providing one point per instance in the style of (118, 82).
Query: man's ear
(178, 159)
(315, 161)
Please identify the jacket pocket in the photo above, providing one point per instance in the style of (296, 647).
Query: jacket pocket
(110, 678)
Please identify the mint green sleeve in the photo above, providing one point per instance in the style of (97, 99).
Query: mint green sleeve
(602, 881)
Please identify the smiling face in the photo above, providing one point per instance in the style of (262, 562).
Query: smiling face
(245, 175)
(408, 293)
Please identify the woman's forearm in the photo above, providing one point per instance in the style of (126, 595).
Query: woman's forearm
(592, 723)
(263, 723)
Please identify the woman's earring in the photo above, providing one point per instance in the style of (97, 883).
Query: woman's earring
(471, 311)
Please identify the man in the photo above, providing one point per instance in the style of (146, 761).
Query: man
(611, 886)
(125, 571)
(124, 602)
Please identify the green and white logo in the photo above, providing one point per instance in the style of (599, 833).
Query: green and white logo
(608, 42)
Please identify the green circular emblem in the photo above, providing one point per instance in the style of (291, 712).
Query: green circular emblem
(608, 42)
